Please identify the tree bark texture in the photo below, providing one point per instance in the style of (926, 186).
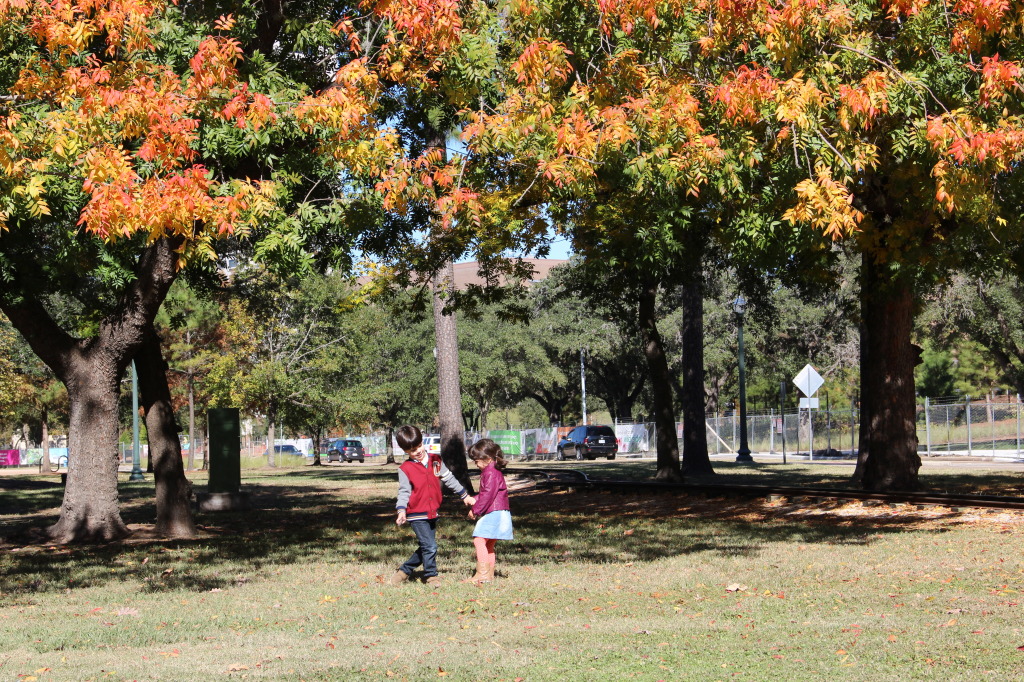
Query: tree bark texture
(661, 386)
(888, 458)
(92, 369)
(173, 490)
(449, 395)
(695, 442)
(89, 512)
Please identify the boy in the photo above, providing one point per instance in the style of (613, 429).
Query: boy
(419, 496)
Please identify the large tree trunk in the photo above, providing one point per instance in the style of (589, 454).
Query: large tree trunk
(89, 512)
(888, 448)
(695, 442)
(449, 396)
(661, 386)
(389, 447)
(91, 369)
(173, 490)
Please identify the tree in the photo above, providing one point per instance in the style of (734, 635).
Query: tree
(986, 311)
(903, 117)
(392, 381)
(188, 325)
(284, 347)
(30, 395)
(105, 109)
(500, 360)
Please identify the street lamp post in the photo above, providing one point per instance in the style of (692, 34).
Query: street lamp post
(583, 386)
(739, 306)
(136, 474)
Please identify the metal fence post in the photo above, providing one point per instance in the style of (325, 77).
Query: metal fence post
(927, 429)
(1018, 424)
(828, 425)
(771, 429)
(853, 447)
(992, 420)
(782, 417)
(970, 444)
(718, 439)
(798, 429)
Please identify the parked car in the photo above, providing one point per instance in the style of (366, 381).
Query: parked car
(345, 450)
(285, 450)
(432, 444)
(588, 442)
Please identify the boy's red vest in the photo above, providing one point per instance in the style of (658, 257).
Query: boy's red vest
(426, 486)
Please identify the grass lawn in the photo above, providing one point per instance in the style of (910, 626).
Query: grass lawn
(594, 587)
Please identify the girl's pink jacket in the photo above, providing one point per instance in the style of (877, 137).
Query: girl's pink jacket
(493, 495)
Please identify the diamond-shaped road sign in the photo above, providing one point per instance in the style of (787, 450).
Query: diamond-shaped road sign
(808, 381)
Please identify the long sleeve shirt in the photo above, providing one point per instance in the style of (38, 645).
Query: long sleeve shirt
(422, 507)
(493, 495)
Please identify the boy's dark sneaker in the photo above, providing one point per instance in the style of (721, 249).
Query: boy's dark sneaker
(399, 577)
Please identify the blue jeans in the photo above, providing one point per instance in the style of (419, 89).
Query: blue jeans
(426, 553)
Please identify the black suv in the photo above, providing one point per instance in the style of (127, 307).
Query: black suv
(588, 442)
(343, 450)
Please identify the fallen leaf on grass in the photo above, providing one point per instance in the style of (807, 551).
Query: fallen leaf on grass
(736, 587)
(235, 667)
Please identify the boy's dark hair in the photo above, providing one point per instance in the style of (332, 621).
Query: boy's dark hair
(408, 437)
(485, 448)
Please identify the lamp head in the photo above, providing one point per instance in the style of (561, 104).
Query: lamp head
(739, 305)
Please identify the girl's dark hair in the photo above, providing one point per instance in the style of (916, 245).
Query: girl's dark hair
(485, 448)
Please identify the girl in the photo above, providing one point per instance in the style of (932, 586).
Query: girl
(491, 508)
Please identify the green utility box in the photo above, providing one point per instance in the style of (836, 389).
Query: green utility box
(225, 450)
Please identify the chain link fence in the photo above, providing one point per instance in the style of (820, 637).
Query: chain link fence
(962, 426)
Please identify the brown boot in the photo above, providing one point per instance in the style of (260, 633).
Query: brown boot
(478, 577)
(399, 577)
(434, 580)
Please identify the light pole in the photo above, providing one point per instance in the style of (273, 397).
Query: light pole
(739, 306)
(136, 474)
(583, 386)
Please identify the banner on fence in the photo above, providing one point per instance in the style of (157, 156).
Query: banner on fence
(510, 441)
(632, 437)
(10, 458)
(540, 441)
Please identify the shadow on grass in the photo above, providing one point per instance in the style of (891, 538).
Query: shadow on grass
(822, 474)
(296, 522)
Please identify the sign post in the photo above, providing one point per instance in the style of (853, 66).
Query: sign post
(809, 381)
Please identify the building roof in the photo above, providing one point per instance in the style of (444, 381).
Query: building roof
(468, 273)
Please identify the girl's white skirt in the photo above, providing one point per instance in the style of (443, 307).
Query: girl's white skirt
(495, 525)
